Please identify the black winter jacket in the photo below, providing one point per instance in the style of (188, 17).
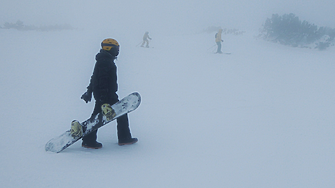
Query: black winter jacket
(103, 82)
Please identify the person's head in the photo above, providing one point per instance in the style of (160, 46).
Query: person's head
(111, 46)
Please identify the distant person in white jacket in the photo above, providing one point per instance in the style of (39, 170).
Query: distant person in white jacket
(145, 39)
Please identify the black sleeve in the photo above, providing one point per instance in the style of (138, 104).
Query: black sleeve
(92, 80)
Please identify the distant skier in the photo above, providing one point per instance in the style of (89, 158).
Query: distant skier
(145, 39)
(218, 41)
(103, 85)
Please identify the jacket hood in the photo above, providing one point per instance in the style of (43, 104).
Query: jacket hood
(103, 54)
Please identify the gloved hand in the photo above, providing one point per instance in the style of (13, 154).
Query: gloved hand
(87, 96)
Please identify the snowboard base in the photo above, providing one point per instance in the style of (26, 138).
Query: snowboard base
(108, 114)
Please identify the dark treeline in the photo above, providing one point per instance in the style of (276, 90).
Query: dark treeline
(19, 25)
(288, 29)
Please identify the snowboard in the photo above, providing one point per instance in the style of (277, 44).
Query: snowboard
(108, 114)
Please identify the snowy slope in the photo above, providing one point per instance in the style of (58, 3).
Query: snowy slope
(260, 117)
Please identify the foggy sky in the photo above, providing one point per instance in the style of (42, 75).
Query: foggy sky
(173, 15)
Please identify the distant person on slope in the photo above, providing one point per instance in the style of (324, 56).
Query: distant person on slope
(145, 39)
(103, 85)
(218, 41)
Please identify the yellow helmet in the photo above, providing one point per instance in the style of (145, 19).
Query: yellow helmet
(109, 43)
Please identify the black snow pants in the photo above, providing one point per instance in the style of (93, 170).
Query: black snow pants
(123, 131)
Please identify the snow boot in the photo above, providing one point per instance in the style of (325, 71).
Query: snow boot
(128, 142)
(93, 145)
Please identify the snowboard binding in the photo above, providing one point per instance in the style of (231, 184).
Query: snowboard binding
(108, 111)
(76, 129)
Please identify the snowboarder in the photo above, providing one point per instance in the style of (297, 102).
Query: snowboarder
(103, 85)
(218, 41)
(145, 39)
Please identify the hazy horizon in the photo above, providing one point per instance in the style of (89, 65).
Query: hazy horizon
(160, 16)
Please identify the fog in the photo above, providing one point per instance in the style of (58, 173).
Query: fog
(260, 117)
(171, 16)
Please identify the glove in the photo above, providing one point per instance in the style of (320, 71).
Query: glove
(87, 96)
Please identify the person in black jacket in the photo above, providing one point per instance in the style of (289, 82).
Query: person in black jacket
(103, 85)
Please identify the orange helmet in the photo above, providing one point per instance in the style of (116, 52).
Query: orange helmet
(109, 43)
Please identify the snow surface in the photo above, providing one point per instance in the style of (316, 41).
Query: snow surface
(261, 117)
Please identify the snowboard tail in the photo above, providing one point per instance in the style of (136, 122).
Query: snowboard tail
(79, 130)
